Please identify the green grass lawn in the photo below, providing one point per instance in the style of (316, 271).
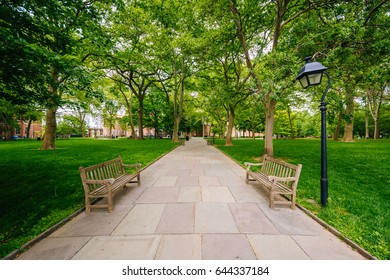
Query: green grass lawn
(40, 188)
(359, 184)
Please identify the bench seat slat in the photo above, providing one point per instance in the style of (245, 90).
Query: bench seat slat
(263, 179)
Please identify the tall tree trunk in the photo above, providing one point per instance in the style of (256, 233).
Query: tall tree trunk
(336, 134)
(6, 127)
(367, 121)
(50, 129)
(348, 126)
(176, 124)
(253, 117)
(129, 105)
(139, 89)
(376, 128)
(140, 119)
(29, 128)
(374, 100)
(82, 122)
(348, 132)
(131, 123)
(51, 122)
(269, 125)
(270, 102)
(178, 101)
(156, 131)
(176, 115)
(230, 127)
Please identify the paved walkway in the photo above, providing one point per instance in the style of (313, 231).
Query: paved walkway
(192, 204)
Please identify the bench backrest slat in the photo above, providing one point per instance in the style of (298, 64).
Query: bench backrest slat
(274, 167)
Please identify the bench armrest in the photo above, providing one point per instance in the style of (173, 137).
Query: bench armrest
(249, 164)
(105, 181)
(137, 166)
(283, 179)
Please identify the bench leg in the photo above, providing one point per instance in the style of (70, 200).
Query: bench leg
(271, 198)
(109, 202)
(139, 179)
(293, 200)
(87, 204)
(248, 179)
(271, 201)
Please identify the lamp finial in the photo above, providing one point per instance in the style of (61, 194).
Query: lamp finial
(307, 59)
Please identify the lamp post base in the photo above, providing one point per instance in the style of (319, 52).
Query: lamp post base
(324, 191)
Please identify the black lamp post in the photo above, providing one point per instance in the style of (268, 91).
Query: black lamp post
(311, 75)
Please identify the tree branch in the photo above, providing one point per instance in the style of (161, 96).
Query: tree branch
(373, 10)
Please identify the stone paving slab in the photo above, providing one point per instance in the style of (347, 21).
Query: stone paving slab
(189, 181)
(214, 218)
(292, 222)
(276, 247)
(168, 181)
(243, 194)
(142, 219)
(63, 248)
(142, 247)
(98, 222)
(193, 203)
(159, 195)
(180, 247)
(177, 218)
(209, 181)
(328, 244)
(217, 194)
(250, 219)
(226, 247)
(189, 194)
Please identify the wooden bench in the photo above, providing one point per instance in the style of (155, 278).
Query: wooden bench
(105, 179)
(279, 177)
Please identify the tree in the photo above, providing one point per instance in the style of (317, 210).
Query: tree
(56, 34)
(182, 52)
(110, 114)
(156, 109)
(7, 119)
(250, 115)
(374, 99)
(234, 90)
(351, 40)
(131, 61)
(280, 15)
(30, 113)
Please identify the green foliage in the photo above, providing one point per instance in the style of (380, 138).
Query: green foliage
(68, 125)
(359, 185)
(40, 188)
